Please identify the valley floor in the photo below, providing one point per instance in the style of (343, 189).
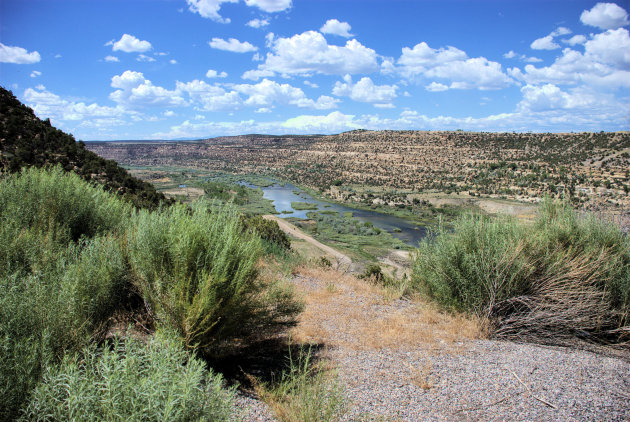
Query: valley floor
(402, 360)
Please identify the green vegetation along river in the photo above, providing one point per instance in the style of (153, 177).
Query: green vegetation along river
(283, 195)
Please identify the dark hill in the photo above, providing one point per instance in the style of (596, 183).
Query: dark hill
(25, 140)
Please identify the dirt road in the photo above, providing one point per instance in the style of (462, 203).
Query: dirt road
(295, 232)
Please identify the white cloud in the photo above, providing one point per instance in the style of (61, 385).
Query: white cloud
(309, 52)
(311, 84)
(270, 6)
(605, 64)
(36, 73)
(544, 43)
(263, 110)
(512, 54)
(58, 56)
(49, 105)
(436, 87)
(257, 57)
(331, 123)
(144, 58)
(334, 27)
(453, 65)
(134, 91)
(172, 61)
(232, 45)
(169, 113)
(605, 16)
(130, 44)
(576, 39)
(17, 55)
(211, 73)
(267, 93)
(111, 59)
(365, 91)
(254, 75)
(209, 8)
(561, 30)
(610, 47)
(258, 23)
(210, 97)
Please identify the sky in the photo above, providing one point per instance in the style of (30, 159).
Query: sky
(190, 69)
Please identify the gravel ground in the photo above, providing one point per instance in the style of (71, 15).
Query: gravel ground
(438, 379)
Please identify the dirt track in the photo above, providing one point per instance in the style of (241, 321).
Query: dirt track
(295, 232)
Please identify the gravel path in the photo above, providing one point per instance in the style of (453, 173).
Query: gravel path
(403, 361)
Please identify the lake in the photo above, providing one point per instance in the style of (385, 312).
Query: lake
(283, 195)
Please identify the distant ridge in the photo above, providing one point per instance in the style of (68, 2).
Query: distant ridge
(26, 141)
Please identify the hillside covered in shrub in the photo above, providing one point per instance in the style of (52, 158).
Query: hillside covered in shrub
(25, 140)
(74, 258)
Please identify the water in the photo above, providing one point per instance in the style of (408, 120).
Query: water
(283, 195)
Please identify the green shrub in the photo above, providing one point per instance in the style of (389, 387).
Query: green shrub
(561, 277)
(269, 232)
(55, 292)
(133, 381)
(196, 269)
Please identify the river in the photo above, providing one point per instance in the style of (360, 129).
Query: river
(283, 195)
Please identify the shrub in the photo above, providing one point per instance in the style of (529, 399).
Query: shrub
(196, 269)
(269, 232)
(132, 381)
(55, 292)
(564, 276)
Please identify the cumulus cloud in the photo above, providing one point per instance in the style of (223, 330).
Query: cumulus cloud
(436, 87)
(512, 54)
(254, 75)
(258, 23)
(605, 63)
(134, 91)
(309, 53)
(365, 91)
(334, 27)
(209, 8)
(266, 93)
(605, 16)
(130, 44)
(544, 43)
(270, 6)
(453, 65)
(111, 59)
(232, 45)
(209, 97)
(35, 74)
(17, 55)
(333, 122)
(49, 105)
(211, 73)
(576, 39)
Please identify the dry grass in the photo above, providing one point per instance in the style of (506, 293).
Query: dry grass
(342, 310)
(422, 377)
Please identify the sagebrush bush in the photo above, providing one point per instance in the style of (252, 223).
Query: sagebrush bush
(560, 277)
(196, 269)
(132, 381)
(62, 268)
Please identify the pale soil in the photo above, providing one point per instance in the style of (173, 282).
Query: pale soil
(403, 360)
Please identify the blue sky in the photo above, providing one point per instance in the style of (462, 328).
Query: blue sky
(126, 69)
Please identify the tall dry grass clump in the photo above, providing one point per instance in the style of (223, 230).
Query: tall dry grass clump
(196, 269)
(565, 276)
